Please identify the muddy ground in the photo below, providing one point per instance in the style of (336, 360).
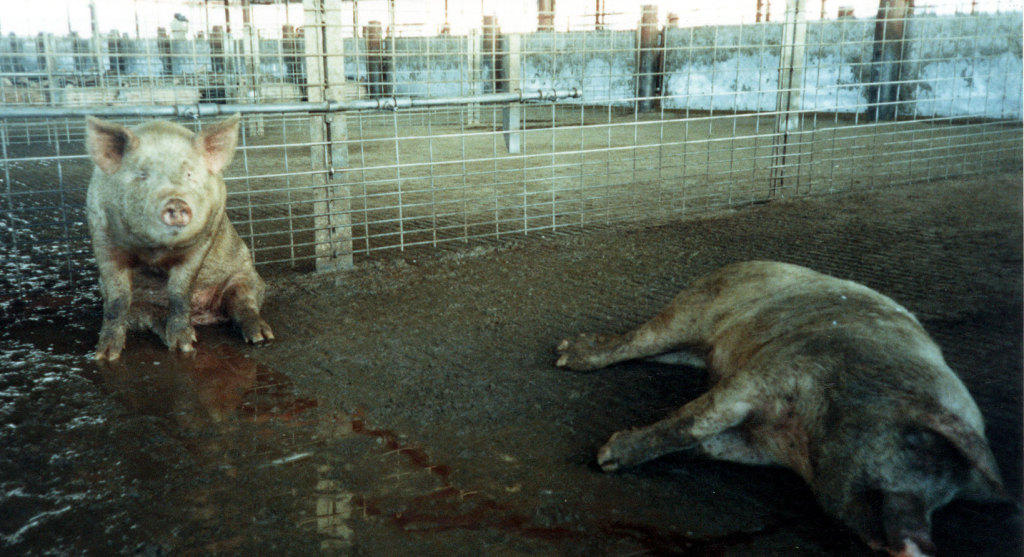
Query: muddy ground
(411, 407)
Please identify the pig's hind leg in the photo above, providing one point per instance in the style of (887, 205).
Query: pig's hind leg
(707, 424)
(242, 302)
(680, 326)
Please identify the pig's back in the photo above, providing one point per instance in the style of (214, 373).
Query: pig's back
(812, 336)
(763, 306)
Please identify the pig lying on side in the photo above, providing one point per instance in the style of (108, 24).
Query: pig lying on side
(156, 204)
(824, 376)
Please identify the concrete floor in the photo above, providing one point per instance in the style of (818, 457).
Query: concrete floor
(412, 407)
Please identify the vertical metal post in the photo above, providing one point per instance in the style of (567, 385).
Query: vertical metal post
(391, 56)
(219, 64)
(512, 114)
(545, 15)
(163, 46)
(492, 55)
(376, 67)
(474, 75)
(887, 58)
(251, 53)
(49, 56)
(647, 59)
(96, 43)
(325, 75)
(292, 48)
(787, 101)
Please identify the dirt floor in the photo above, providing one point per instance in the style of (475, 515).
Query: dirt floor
(411, 407)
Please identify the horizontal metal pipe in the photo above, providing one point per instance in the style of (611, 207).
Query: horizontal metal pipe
(212, 109)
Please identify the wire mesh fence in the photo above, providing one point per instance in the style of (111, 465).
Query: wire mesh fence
(377, 125)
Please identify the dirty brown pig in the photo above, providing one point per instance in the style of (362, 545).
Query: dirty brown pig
(156, 205)
(824, 376)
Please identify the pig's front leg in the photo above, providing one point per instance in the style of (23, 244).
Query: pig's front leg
(116, 287)
(179, 333)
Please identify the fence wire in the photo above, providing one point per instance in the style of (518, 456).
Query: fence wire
(681, 111)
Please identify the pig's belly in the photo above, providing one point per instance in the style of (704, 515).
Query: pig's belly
(208, 307)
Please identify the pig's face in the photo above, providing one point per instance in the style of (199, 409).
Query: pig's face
(170, 194)
(162, 183)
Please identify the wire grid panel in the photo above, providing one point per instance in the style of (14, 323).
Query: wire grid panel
(683, 110)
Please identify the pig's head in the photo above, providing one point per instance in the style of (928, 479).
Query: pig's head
(884, 478)
(164, 182)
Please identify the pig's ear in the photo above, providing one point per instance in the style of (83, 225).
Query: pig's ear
(107, 143)
(972, 446)
(217, 143)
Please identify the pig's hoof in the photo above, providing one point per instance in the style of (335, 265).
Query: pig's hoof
(620, 452)
(109, 350)
(110, 345)
(181, 339)
(258, 332)
(606, 459)
(107, 353)
(588, 351)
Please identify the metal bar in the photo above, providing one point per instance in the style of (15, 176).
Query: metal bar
(512, 114)
(791, 70)
(214, 109)
(887, 58)
(647, 58)
(333, 223)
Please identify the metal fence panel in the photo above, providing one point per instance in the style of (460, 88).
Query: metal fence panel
(373, 126)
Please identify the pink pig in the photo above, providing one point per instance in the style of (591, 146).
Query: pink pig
(156, 204)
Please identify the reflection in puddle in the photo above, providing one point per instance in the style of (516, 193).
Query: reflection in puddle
(359, 470)
(430, 502)
(333, 510)
(208, 387)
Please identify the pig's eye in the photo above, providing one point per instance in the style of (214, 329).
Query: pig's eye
(141, 174)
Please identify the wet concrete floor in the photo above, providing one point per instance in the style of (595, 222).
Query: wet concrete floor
(411, 407)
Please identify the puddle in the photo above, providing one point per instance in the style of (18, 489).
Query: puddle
(215, 452)
(212, 386)
(447, 507)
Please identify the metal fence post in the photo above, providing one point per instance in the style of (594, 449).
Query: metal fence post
(474, 75)
(492, 56)
(647, 59)
(512, 114)
(791, 75)
(250, 84)
(379, 83)
(887, 58)
(325, 75)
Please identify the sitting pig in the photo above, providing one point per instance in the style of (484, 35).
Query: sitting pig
(824, 376)
(156, 204)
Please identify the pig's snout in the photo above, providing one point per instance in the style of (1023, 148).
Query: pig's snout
(176, 213)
